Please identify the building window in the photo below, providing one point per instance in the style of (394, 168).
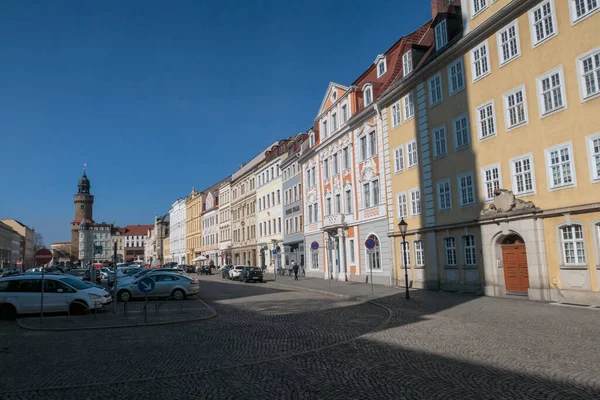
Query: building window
(551, 92)
(515, 108)
(346, 158)
(435, 90)
(328, 206)
(479, 6)
(344, 113)
(336, 167)
(523, 177)
(407, 64)
(348, 201)
(439, 142)
(363, 148)
(372, 144)
(415, 202)
(324, 125)
(441, 35)
(411, 152)
(399, 159)
(582, 8)
(465, 185)
(508, 43)
(375, 192)
(419, 253)
(396, 115)
(334, 122)
(450, 251)
(367, 195)
(444, 195)
(456, 76)
(491, 181)
(542, 22)
(470, 250)
(461, 135)
(314, 260)
(560, 166)
(374, 259)
(310, 214)
(351, 250)
(381, 68)
(402, 205)
(368, 96)
(480, 61)
(573, 245)
(409, 107)
(593, 143)
(405, 253)
(326, 168)
(338, 204)
(486, 120)
(311, 140)
(589, 70)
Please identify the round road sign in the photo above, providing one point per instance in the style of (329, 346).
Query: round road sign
(43, 256)
(146, 285)
(314, 245)
(370, 244)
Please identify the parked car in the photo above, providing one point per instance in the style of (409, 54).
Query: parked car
(121, 273)
(235, 271)
(167, 284)
(251, 274)
(225, 271)
(143, 272)
(87, 276)
(191, 269)
(205, 270)
(33, 271)
(20, 294)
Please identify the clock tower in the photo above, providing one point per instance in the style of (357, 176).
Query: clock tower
(83, 202)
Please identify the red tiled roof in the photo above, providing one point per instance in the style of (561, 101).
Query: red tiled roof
(137, 229)
(61, 243)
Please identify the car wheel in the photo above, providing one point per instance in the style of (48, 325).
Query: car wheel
(77, 308)
(8, 312)
(178, 294)
(124, 296)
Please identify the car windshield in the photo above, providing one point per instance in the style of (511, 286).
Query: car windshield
(75, 283)
(254, 268)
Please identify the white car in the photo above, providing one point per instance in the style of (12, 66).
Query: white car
(21, 294)
(235, 271)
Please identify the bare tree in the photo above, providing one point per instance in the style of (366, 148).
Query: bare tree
(38, 241)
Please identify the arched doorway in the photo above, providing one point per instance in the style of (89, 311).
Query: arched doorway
(514, 258)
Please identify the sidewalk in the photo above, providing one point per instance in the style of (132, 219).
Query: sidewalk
(348, 290)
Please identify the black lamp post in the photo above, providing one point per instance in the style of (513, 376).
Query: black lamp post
(403, 225)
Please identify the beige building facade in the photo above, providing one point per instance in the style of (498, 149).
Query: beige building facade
(193, 225)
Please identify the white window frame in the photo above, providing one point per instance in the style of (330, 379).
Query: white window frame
(346, 157)
(439, 183)
(460, 77)
(493, 118)
(592, 154)
(325, 127)
(433, 102)
(334, 122)
(348, 204)
(439, 141)
(399, 159)
(363, 150)
(412, 155)
(408, 106)
(573, 12)
(402, 205)
(469, 249)
(582, 86)
(441, 35)
(396, 114)
(368, 89)
(505, 98)
(311, 140)
(502, 61)
(372, 143)
(484, 5)
(513, 172)
(485, 181)
(379, 63)
(533, 32)
(474, 77)
(450, 249)
(335, 163)
(344, 112)
(404, 253)
(419, 253)
(461, 117)
(407, 64)
(459, 179)
(547, 154)
(563, 94)
(414, 196)
(574, 241)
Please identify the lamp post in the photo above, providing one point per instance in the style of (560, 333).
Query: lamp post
(403, 225)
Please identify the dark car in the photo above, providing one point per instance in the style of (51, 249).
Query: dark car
(225, 271)
(87, 276)
(191, 269)
(251, 274)
(205, 270)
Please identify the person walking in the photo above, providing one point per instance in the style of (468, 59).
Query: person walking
(295, 268)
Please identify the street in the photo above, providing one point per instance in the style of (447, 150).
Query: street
(270, 341)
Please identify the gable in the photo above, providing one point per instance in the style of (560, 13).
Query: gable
(340, 90)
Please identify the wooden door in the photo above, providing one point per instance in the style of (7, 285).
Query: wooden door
(516, 275)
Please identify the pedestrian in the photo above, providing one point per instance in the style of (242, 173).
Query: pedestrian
(295, 268)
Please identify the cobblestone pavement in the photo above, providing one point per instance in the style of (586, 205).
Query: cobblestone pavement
(272, 343)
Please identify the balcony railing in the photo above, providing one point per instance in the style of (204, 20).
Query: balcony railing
(334, 221)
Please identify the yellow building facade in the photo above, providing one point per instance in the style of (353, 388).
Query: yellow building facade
(494, 152)
(193, 225)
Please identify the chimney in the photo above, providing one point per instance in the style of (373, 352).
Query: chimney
(439, 6)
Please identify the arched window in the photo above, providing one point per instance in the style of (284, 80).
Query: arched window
(374, 259)
(573, 244)
(311, 139)
(368, 91)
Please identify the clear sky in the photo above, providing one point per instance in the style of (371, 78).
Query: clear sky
(160, 96)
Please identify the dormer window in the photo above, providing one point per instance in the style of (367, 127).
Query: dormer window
(407, 63)
(368, 90)
(441, 35)
(381, 65)
(311, 139)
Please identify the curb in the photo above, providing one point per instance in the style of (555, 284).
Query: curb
(213, 314)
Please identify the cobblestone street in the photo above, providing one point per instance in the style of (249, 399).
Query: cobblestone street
(273, 342)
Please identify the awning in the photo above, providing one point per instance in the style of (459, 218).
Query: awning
(200, 258)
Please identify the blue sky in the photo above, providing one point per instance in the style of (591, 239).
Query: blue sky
(158, 96)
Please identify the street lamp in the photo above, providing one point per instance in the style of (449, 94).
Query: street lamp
(403, 226)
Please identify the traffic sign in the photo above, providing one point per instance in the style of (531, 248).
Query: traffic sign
(314, 245)
(370, 244)
(19, 263)
(273, 251)
(43, 256)
(146, 285)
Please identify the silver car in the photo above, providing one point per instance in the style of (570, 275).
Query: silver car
(167, 284)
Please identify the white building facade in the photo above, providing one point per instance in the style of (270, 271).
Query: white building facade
(225, 222)
(177, 231)
(210, 229)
